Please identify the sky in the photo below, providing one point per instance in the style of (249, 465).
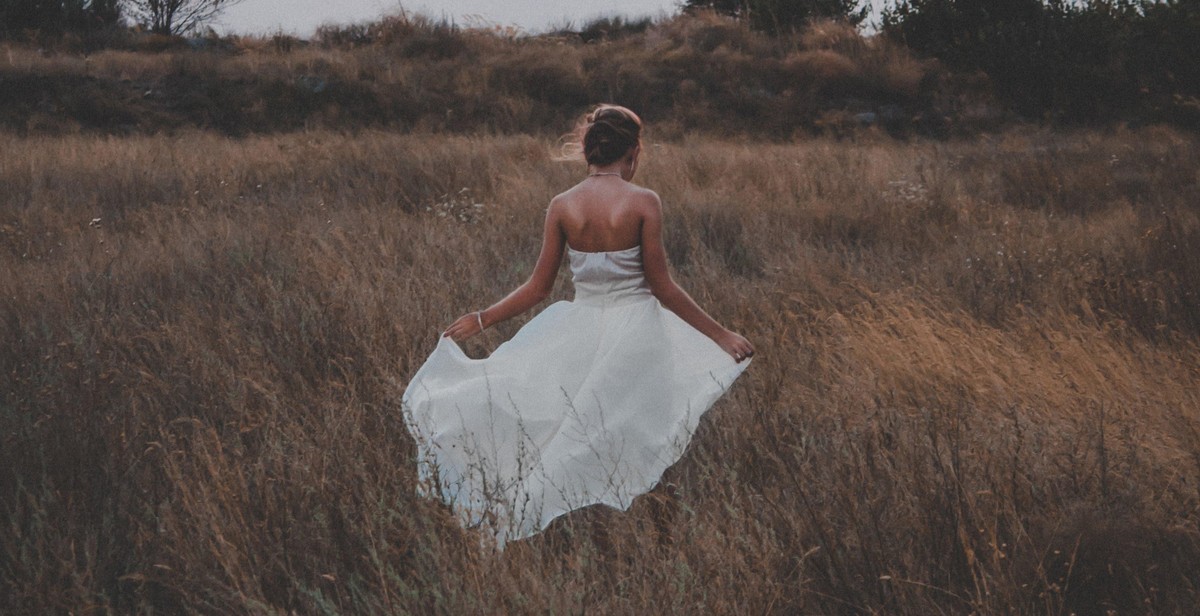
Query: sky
(301, 17)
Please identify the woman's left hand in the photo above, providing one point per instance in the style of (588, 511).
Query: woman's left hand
(736, 345)
(465, 326)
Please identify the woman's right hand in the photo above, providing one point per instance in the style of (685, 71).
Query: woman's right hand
(465, 326)
(736, 345)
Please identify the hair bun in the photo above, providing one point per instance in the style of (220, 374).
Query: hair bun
(610, 133)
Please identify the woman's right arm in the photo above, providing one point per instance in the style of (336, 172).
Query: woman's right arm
(526, 296)
(674, 298)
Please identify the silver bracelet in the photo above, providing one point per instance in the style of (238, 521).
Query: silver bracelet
(479, 317)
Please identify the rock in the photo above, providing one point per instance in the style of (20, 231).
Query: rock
(866, 118)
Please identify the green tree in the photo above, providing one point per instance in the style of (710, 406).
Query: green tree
(778, 16)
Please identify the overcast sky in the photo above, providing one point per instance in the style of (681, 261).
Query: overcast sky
(301, 17)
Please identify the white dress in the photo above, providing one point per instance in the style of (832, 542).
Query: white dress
(588, 403)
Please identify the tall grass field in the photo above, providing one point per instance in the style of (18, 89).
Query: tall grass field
(977, 386)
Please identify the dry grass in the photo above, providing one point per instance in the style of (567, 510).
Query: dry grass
(976, 390)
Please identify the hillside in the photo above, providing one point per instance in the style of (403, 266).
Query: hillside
(690, 73)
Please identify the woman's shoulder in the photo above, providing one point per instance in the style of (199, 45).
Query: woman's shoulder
(633, 193)
(646, 199)
(640, 190)
(648, 194)
(565, 196)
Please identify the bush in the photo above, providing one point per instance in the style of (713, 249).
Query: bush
(785, 16)
(18, 17)
(1076, 62)
(702, 72)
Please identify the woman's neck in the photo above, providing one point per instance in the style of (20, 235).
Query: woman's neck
(618, 169)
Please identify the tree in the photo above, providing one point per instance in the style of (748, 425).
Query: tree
(1080, 60)
(175, 16)
(778, 16)
(56, 16)
(18, 15)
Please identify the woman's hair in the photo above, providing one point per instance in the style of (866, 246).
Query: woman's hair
(604, 135)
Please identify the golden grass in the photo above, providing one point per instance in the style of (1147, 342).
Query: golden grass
(975, 390)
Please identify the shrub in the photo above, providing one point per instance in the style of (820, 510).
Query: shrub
(57, 17)
(784, 16)
(1075, 62)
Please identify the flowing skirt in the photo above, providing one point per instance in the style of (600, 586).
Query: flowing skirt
(588, 403)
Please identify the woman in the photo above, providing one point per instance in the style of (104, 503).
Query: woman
(593, 399)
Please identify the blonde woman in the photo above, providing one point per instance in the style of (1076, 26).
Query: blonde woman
(594, 398)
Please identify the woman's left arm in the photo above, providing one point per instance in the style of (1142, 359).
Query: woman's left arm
(526, 296)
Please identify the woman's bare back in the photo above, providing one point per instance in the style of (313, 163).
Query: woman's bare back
(602, 214)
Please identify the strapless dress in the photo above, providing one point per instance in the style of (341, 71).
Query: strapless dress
(587, 404)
